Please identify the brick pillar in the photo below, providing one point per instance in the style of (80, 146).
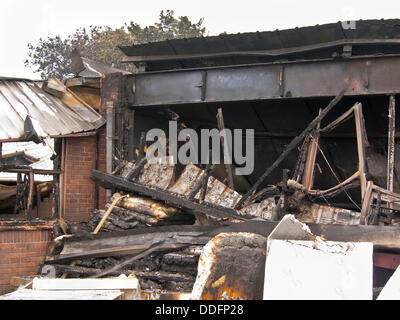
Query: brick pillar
(79, 190)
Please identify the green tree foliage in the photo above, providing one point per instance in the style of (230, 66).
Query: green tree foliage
(51, 56)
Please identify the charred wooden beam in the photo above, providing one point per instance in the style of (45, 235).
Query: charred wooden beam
(180, 258)
(140, 255)
(290, 147)
(209, 169)
(28, 213)
(137, 216)
(366, 206)
(308, 177)
(148, 207)
(134, 174)
(164, 276)
(201, 182)
(130, 242)
(362, 142)
(82, 271)
(382, 237)
(225, 148)
(148, 220)
(391, 143)
(109, 181)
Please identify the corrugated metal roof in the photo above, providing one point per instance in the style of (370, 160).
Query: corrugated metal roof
(41, 151)
(261, 41)
(21, 98)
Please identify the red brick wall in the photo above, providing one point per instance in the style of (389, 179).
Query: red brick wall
(79, 190)
(21, 253)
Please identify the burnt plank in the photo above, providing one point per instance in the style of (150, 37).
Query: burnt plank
(109, 181)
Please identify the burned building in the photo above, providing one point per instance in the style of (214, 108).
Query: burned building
(321, 101)
(37, 193)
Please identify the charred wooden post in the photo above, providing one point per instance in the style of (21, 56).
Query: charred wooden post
(201, 183)
(134, 174)
(290, 147)
(28, 213)
(20, 196)
(391, 143)
(142, 145)
(131, 134)
(361, 143)
(366, 205)
(308, 177)
(226, 148)
(209, 169)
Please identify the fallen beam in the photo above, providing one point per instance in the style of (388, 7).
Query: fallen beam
(130, 242)
(383, 237)
(109, 181)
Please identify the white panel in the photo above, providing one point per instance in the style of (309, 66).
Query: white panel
(318, 270)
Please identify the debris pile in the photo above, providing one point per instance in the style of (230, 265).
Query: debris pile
(196, 234)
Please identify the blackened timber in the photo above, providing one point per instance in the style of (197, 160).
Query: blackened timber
(110, 181)
(209, 170)
(142, 254)
(143, 218)
(82, 271)
(383, 237)
(180, 258)
(201, 182)
(137, 216)
(164, 276)
(138, 168)
(226, 148)
(391, 143)
(293, 144)
(130, 242)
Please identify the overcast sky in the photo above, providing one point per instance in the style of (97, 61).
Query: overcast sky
(24, 21)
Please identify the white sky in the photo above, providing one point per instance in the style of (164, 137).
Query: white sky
(24, 21)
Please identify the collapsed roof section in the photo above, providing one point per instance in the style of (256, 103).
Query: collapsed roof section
(30, 113)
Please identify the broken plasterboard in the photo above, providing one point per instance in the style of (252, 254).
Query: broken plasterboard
(318, 270)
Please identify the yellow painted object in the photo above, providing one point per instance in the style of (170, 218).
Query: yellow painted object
(114, 203)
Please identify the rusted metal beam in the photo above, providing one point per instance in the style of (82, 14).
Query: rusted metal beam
(302, 79)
